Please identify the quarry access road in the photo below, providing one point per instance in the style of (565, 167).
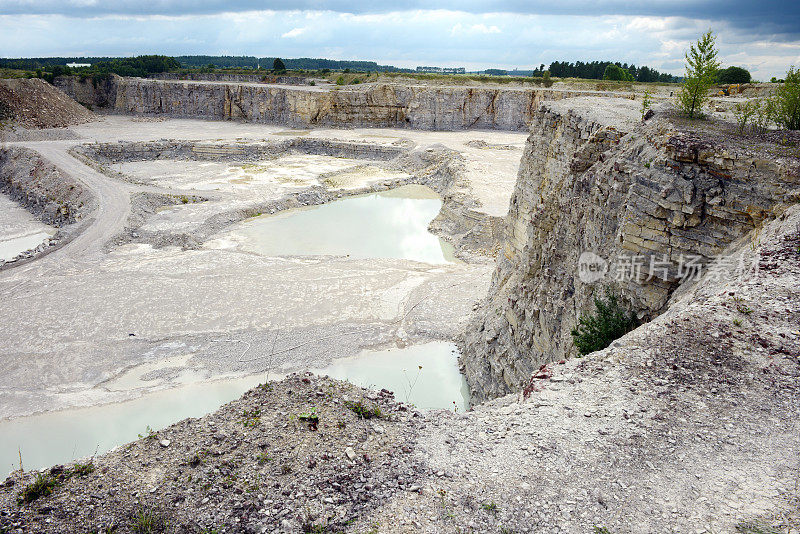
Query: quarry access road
(108, 218)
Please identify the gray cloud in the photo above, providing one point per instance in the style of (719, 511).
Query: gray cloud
(781, 18)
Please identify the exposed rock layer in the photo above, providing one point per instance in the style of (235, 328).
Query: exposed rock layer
(368, 105)
(659, 196)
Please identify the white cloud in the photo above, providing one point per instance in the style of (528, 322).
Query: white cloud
(296, 32)
(461, 29)
(402, 38)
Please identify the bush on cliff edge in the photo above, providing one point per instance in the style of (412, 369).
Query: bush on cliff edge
(598, 330)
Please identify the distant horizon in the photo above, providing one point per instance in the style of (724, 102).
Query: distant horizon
(380, 65)
(506, 34)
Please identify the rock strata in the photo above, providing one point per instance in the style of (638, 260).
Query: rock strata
(656, 202)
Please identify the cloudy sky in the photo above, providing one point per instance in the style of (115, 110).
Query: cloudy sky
(762, 36)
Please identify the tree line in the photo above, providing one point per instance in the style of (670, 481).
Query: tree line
(595, 70)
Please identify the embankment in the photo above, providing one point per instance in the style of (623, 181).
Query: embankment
(35, 103)
(54, 197)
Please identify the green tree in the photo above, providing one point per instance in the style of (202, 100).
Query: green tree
(701, 74)
(787, 101)
(733, 75)
(614, 72)
(278, 65)
(609, 321)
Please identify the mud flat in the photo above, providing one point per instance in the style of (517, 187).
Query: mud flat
(20, 230)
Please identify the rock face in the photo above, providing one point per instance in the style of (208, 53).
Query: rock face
(224, 77)
(367, 105)
(98, 92)
(655, 204)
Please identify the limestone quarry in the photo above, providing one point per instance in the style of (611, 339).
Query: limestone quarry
(139, 299)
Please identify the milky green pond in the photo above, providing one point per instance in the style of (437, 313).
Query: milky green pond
(58, 437)
(387, 224)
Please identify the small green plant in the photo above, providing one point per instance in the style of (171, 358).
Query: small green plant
(42, 486)
(81, 470)
(197, 458)
(310, 417)
(147, 521)
(601, 530)
(149, 434)
(701, 74)
(263, 458)
(737, 322)
(355, 81)
(757, 527)
(609, 322)
(341, 81)
(45, 483)
(251, 418)
(647, 101)
(741, 307)
(363, 411)
(490, 507)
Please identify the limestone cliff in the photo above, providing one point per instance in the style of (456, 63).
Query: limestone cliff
(652, 201)
(366, 105)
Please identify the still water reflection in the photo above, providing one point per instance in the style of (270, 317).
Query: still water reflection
(388, 224)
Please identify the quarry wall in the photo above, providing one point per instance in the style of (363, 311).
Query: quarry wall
(366, 105)
(652, 205)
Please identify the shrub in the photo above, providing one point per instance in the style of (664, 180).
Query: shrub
(546, 79)
(733, 75)
(787, 101)
(609, 322)
(701, 73)
(744, 113)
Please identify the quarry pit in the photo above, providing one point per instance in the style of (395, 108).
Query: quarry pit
(156, 288)
(177, 298)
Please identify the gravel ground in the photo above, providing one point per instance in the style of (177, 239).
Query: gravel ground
(302, 454)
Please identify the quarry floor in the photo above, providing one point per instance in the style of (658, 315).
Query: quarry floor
(96, 308)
